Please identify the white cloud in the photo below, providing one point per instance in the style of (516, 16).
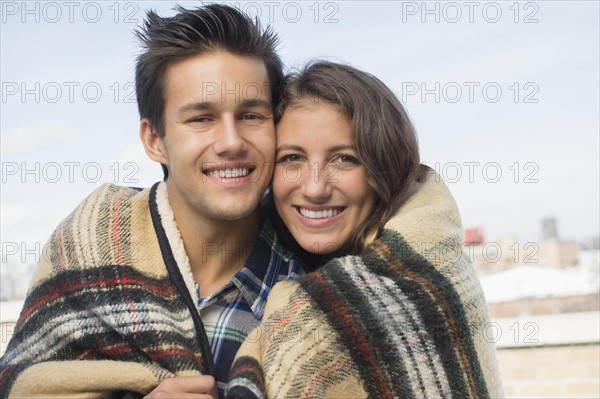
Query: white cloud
(24, 138)
(12, 216)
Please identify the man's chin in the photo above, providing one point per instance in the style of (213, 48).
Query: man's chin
(234, 211)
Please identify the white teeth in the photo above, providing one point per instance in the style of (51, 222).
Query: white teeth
(327, 213)
(228, 173)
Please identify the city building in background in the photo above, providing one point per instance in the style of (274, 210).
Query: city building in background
(544, 302)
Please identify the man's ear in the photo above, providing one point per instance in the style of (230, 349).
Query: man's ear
(153, 144)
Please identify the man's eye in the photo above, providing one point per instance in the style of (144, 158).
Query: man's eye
(251, 117)
(199, 119)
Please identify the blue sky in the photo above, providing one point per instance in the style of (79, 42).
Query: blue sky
(504, 97)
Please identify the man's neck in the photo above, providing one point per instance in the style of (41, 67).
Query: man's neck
(216, 249)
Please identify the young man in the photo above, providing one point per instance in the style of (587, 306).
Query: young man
(140, 285)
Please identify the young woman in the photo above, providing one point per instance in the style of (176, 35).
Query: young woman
(346, 154)
(404, 316)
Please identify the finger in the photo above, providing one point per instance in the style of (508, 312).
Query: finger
(178, 395)
(195, 384)
(198, 384)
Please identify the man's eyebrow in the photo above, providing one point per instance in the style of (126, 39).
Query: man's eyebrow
(256, 102)
(201, 106)
(208, 105)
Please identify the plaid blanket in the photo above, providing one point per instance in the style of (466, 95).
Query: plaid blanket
(406, 319)
(109, 312)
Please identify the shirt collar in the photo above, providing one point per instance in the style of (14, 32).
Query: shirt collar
(263, 267)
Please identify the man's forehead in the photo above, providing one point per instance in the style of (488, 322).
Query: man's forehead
(218, 77)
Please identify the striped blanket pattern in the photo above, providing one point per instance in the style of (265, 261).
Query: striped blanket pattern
(107, 311)
(405, 319)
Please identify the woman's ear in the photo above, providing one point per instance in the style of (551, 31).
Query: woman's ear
(153, 144)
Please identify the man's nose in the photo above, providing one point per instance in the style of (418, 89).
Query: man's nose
(229, 141)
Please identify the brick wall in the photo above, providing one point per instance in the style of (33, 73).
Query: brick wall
(563, 371)
(549, 305)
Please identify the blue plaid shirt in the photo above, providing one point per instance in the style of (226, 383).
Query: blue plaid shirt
(231, 313)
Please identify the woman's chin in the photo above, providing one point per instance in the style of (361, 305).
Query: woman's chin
(320, 247)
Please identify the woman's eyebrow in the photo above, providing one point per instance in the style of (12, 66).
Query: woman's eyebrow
(290, 147)
(342, 147)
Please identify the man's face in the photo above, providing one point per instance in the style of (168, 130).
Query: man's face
(219, 141)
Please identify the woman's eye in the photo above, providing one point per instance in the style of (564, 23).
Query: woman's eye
(289, 158)
(347, 159)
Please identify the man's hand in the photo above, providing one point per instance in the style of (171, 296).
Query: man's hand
(196, 387)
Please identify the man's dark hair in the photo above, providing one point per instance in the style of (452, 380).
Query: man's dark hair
(195, 32)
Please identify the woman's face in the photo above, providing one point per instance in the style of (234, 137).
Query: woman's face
(320, 187)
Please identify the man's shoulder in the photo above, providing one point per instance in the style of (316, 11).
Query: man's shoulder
(102, 223)
(109, 198)
(111, 193)
(108, 228)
